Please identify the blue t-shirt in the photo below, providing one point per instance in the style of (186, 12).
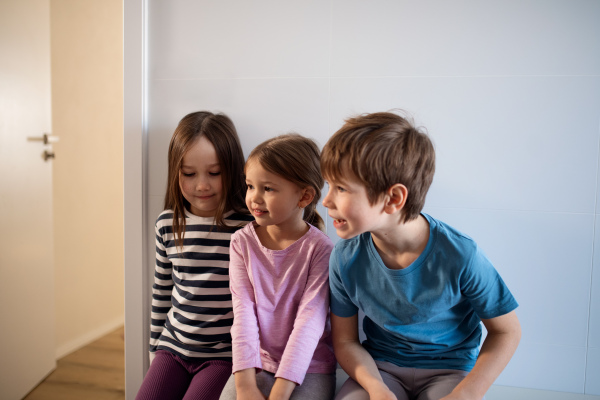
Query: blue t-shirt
(427, 315)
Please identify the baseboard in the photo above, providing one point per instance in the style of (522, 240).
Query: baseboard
(497, 392)
(88, 337)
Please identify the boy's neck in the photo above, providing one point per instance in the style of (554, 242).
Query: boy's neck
(401, 244)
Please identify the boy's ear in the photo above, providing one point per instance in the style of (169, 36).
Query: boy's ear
(308, 194)
(395, 198)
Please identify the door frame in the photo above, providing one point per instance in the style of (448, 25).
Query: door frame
(135, 138)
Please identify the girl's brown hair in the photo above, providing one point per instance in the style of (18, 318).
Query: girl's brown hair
(221, 132)
(296, 159)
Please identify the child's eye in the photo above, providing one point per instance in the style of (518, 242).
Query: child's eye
(249, 186)
(188, 174)
(215, 173)
(268, 189)
(340, 189)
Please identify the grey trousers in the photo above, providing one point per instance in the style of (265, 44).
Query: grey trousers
(407, 383)
(314, 387)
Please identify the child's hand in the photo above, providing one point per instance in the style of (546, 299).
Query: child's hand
(245, 385)
(382, 393)
(453, 396)
(250, 393)
(282, 389)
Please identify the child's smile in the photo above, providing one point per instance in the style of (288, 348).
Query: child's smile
(200, 178)
(258, 212)
(271, 199)
(338, 223)
(350, 209)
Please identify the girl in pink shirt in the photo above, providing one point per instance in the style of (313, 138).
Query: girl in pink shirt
(278, 271)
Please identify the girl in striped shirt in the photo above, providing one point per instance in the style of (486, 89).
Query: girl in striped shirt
(190, 341)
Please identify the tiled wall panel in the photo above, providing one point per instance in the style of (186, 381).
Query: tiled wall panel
(237, 39)
(592, 383)
(509, 91)
(501, 143)
(260, 108)
(465, 38)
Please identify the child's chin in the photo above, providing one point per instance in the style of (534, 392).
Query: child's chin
(345, 234)
(263, 221)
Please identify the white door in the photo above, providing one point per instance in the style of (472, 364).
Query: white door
(27, 343)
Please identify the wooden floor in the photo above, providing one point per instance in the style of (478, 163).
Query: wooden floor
(94, 372)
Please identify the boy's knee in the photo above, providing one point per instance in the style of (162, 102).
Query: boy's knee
(442, 385)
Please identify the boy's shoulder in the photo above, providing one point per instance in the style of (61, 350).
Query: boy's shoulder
(447, 236)
(453, 249)
(443, 238)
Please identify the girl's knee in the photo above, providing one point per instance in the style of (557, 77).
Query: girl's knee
(228, 392)
(315, 387)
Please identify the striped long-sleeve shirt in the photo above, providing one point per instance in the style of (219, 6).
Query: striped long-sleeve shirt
(191, 301)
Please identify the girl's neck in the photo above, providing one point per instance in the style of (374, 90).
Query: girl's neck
(276, 237)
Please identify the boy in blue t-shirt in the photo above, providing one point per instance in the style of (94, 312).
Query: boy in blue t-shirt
(423, 286)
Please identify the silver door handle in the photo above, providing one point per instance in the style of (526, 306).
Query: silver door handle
(46, 138)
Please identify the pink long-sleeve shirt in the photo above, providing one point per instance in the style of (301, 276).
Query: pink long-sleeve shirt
(281, 305)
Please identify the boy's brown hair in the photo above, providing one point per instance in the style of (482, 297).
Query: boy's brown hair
(382, 149)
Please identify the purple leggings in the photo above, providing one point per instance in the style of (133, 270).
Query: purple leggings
(172, 378)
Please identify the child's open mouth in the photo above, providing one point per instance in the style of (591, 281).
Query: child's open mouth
(258, 213)
(338, 223)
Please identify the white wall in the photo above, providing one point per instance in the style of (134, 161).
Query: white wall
(508, 90)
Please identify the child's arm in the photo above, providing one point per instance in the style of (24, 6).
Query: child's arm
(309, 323)
(161, 293)
(355, 360)
(282, 389)
(244, 332)
(245, 385)
(504, 333)
(246, 389)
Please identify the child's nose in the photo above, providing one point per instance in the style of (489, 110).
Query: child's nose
(327, 200)
(255, 197)
(202, 184)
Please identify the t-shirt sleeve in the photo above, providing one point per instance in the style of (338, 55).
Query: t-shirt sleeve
(483, 286)
(341, 304)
